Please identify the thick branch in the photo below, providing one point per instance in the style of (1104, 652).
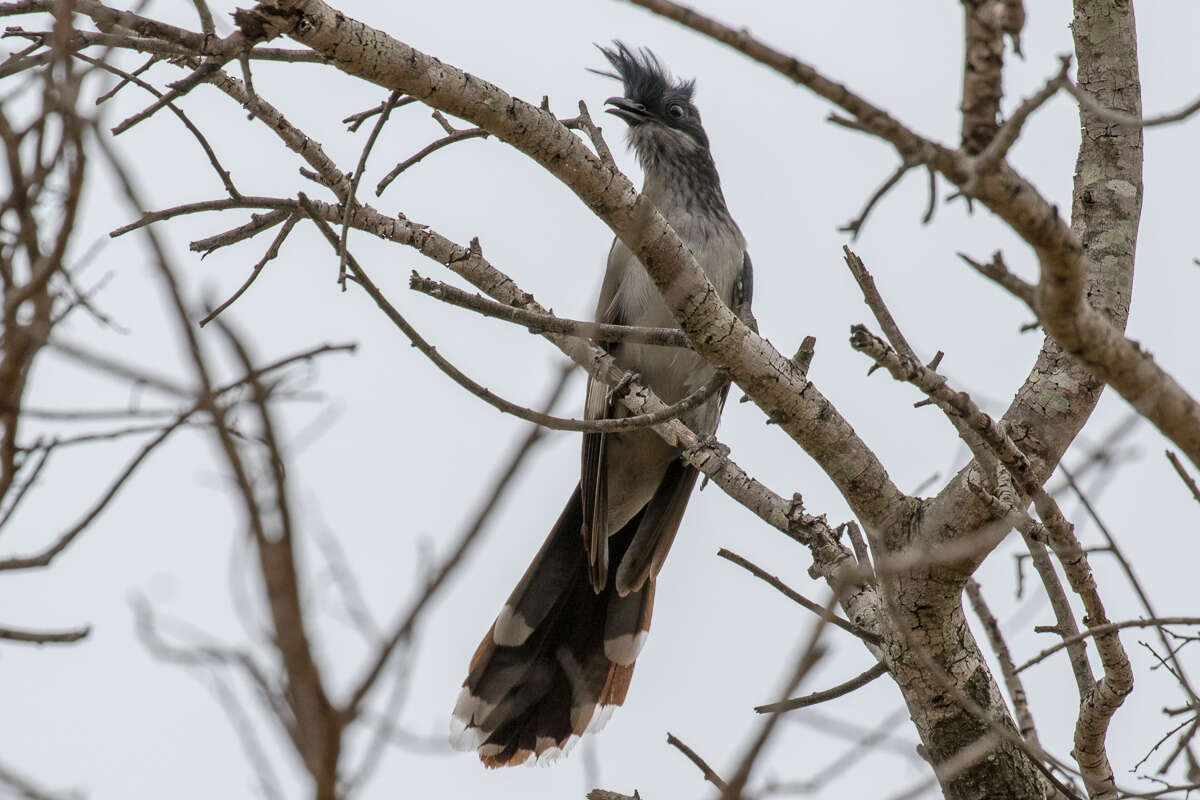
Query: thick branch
(983, 72)
(1016, 689)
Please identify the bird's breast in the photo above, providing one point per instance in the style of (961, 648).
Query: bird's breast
(718, 247)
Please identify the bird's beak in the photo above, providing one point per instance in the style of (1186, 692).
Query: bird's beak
(633, 113)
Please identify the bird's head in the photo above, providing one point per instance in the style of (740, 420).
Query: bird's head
(663, 122)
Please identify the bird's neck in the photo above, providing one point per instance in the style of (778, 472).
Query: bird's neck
(685, 186)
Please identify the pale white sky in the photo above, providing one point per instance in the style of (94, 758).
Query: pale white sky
(392, 463)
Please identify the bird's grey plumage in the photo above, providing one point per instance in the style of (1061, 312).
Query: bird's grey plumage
(561, 652)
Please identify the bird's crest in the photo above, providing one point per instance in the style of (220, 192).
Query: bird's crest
(646, 80)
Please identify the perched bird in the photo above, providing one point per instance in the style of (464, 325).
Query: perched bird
(560, 655)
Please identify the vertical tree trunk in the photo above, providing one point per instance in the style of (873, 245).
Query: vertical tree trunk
(937, 664)
(928, 640)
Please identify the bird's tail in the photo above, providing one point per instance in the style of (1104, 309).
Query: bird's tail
(558, 658)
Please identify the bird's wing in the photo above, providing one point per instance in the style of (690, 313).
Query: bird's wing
(656, 529)
(743, 293)
(593, 484)
(594, 471)
(660, 519)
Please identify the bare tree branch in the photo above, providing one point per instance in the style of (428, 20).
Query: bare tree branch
(857, 682)
(44, 637)
(795, 596)
(709, 773)
(546, 323)
(1184, 476)
(1154, 622)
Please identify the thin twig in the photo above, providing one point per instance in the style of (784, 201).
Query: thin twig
(864, 743)
(584, 121)
(355, 121)
(934, 386)
(857, 682)
(1127, 568)
(1183, 475)
(211, 658)
(258, 224)
(709, 773)
(271, 254)
(30, 480)
(875, 302)
(795, 596)
(111, 93)
(243, 728)
(216, 55)
(998, 272)
(349, 201)
(855, 226)
(1097, 705)
(47, 555)
(43, 558)
(1096, 108)
(545, 323)
(1035, 536)
(280, 211)
(1010, 131)
(1099, 630)
(433, 147)
(933, 195)
(44, 637)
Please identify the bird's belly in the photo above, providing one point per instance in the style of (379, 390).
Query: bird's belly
(672, 372)
(638, 459)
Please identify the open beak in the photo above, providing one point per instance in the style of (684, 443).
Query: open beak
(633, 113)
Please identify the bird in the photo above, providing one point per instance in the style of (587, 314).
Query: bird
(560, 655)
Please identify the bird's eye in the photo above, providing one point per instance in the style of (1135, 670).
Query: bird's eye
(675, 111)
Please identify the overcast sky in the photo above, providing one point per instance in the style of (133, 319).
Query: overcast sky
(393, 460)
